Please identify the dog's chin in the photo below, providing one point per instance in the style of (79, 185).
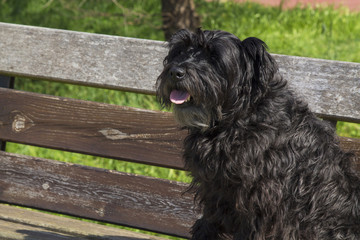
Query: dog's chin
(192, 116)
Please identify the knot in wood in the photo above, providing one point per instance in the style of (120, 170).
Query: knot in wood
(114, 134)
(46, 186)
(20, 122)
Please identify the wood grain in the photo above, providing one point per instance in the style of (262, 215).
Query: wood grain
(105, 130)
(110, 196)
(23, 224)
(331, 87)
(131, 134)
(80, 58)
(352, 145)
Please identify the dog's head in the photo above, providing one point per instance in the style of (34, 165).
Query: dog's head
(212, 76)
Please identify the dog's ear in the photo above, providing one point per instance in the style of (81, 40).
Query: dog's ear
(261, 67)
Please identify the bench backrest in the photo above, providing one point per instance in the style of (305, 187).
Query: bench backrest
(138, 135)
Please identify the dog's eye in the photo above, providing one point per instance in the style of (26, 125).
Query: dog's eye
(176, 51)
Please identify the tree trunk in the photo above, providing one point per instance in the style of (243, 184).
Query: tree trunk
(179, 14)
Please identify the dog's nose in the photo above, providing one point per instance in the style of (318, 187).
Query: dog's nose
(177, 73)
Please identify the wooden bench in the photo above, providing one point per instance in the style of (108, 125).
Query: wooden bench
(332, 89)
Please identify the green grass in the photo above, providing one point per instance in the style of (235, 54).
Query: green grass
(140, 19)
(320, 33)
(348, 129)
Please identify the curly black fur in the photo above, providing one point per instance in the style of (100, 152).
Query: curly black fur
(263, 165)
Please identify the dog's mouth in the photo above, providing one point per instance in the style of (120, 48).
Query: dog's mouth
(179, 97)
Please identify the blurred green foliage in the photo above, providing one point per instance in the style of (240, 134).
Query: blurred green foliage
(321, 33)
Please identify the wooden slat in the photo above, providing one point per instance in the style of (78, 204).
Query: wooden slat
(105, 130)
(331, 87)
(353, 145)
(92, 128)
(81, 58)
(110, 196)
(23, 224)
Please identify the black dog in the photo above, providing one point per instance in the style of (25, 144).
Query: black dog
(263, 165)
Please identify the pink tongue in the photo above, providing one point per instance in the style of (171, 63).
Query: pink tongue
(178, 97)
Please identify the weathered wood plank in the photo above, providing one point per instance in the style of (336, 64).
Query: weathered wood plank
(110, 196)
(105, 130)
(80, 58)
(92, 128)
(23, 224)
(352, 145)
(331, 87)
